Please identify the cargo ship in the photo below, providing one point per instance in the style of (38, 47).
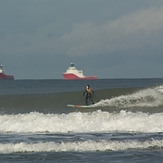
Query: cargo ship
(73, 73)
(3, 75)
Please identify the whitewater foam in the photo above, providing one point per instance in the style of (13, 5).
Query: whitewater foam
(98, 121)
(89, 145)
(151, 97)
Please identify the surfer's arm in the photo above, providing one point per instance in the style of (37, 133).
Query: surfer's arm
(92, 91)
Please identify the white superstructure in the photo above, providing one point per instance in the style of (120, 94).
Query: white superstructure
(1, 69)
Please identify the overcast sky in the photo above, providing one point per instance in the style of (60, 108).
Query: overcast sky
(104, 38)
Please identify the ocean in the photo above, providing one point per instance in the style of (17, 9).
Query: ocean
(124, 125)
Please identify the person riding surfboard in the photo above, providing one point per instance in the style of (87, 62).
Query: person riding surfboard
(88, 93)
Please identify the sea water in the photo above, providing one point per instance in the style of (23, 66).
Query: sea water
(124, 125)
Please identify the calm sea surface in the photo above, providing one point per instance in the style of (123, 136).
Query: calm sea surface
(124, 125)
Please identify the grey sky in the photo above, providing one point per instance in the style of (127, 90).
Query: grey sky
(106, 38)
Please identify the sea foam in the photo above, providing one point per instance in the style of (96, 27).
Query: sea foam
(151, 97)
(89, 145)
(97, 121)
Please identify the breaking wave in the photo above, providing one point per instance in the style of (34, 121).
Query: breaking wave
(119, 98)
(89, 145)
(151, 97)
(78, 122)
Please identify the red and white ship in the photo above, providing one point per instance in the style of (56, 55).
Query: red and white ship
(73, 73)
(3, 75)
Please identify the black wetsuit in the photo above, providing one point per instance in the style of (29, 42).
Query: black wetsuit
(88, 96)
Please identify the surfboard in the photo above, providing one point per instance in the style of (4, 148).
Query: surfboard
(79, 106)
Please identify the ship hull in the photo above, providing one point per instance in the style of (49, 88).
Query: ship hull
(3, 76)
(70, 76)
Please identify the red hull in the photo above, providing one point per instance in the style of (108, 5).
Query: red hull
(3, 76)
(68, 76)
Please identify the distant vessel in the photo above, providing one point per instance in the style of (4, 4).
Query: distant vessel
(3, 75)
(73, 73)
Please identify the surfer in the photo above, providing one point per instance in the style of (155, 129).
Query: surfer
(88, 95)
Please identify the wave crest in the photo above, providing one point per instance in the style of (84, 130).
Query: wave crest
(151, 97)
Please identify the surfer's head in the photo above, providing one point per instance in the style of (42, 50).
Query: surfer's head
(88, 86)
